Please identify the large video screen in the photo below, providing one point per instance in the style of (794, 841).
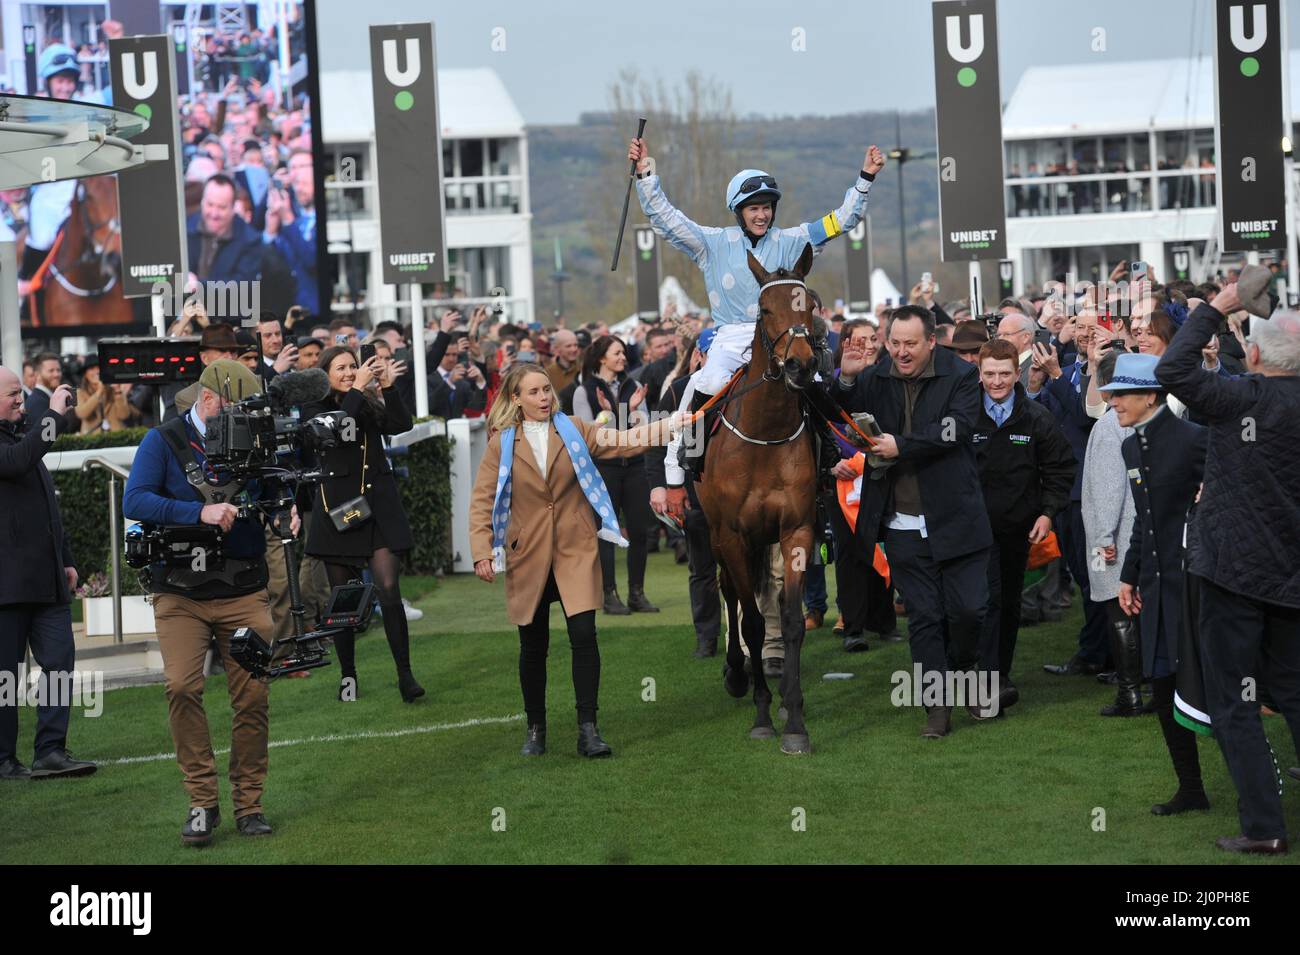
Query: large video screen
(246, 83)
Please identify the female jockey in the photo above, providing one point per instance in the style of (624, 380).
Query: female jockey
(720, 253)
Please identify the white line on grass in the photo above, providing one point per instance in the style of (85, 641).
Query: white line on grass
(340, 737)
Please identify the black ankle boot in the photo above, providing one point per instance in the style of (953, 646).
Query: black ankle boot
(590, 744)
(705, 648)
(408, 685)
(613, 604)
(535, 744)
(1126, 648)
(636, 601)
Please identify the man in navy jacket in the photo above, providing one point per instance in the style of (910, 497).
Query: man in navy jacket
(36, 584)
(925, 503)
(1244, 547)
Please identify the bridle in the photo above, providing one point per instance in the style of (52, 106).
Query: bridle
(93, 251)
(770, 346)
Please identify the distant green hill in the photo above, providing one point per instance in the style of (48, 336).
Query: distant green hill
(813, 158)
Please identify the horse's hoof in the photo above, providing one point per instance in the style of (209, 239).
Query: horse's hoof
(763, 732)
(796, 745)
(735, 681)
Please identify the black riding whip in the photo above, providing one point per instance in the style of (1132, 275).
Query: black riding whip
(627, 196)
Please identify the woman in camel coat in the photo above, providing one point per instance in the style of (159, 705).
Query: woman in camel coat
(544, 495)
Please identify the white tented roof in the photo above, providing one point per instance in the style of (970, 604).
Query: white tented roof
(471, 103)
(1099, 98)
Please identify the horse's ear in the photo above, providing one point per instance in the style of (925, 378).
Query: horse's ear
(805, 263)
(760, 274)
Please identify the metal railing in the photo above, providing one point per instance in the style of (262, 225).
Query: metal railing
(115, 543)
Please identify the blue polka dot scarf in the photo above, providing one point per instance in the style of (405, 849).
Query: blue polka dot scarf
(589, 479)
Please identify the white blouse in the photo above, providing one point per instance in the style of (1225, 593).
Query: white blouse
(538, 434)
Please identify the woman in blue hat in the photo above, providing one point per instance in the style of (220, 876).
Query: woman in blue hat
(1165, 457)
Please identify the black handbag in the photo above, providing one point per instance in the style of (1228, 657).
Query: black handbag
(353, 513)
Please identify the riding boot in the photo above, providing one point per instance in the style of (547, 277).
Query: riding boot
(638, 602)
(1181, 743)
(1126, 648)
(693, 451)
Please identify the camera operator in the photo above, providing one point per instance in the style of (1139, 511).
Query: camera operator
(213, 596)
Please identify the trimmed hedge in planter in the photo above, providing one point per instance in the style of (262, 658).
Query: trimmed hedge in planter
(83, 503)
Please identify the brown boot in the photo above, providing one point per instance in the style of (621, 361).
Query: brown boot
(938, 723)
(637, 602)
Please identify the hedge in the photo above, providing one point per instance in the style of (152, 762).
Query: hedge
(83, 503)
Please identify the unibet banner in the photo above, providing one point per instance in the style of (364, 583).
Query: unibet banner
(857, 267)
(1006, 278)
(968, 117)
(408, 150)
(647, 274)
(151, 198)
(1249, 125)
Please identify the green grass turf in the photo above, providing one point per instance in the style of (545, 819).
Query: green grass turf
(686, 783)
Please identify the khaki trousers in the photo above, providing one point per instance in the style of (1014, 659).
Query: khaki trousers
(769, 602)
(185, 627)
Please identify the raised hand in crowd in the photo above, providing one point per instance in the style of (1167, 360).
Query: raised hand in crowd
(475, 374)
(396, 369)
(1210, 354)
(1046, 358)
(604, 402)
(638, 396)
(476, 320)
(287, 358)
(450, 319)
(874, 160)
(367, 372)
(854, 359)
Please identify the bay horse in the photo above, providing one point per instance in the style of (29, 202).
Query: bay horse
(82, 278)
(759, 488)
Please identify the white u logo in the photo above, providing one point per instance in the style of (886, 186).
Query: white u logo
(131, 83)
(1258, 27)
(1005, 270)
(645, 239)
(412, 72)
(966, 54)
(1181, 261)
(859, 231)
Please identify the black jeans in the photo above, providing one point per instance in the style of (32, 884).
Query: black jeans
(861, 594)
(706, 606)
(953, 591)
(630, 491)
(1242, 637)
(47, 629)
(535, 642)
(1007, 560)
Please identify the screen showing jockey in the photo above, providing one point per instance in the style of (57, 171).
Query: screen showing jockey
(720, 253)
(47, 208)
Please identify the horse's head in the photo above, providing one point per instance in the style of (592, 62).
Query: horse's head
(97, 201)
(785, 314)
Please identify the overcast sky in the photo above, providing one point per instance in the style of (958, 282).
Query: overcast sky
(561, 55)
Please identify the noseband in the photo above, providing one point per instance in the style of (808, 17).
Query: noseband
(770, 345)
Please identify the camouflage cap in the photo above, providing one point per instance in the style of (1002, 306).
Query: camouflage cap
(231, 379)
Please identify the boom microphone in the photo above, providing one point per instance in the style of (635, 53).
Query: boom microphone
(300, 387)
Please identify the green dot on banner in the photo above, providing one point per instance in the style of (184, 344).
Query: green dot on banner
(144, 110)
(966, 76)
(1249, 66)
(404, 100)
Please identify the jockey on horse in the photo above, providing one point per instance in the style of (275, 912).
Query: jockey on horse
(721, 254)
(47, 207)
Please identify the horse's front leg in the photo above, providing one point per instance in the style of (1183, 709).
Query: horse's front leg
(796, 551)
